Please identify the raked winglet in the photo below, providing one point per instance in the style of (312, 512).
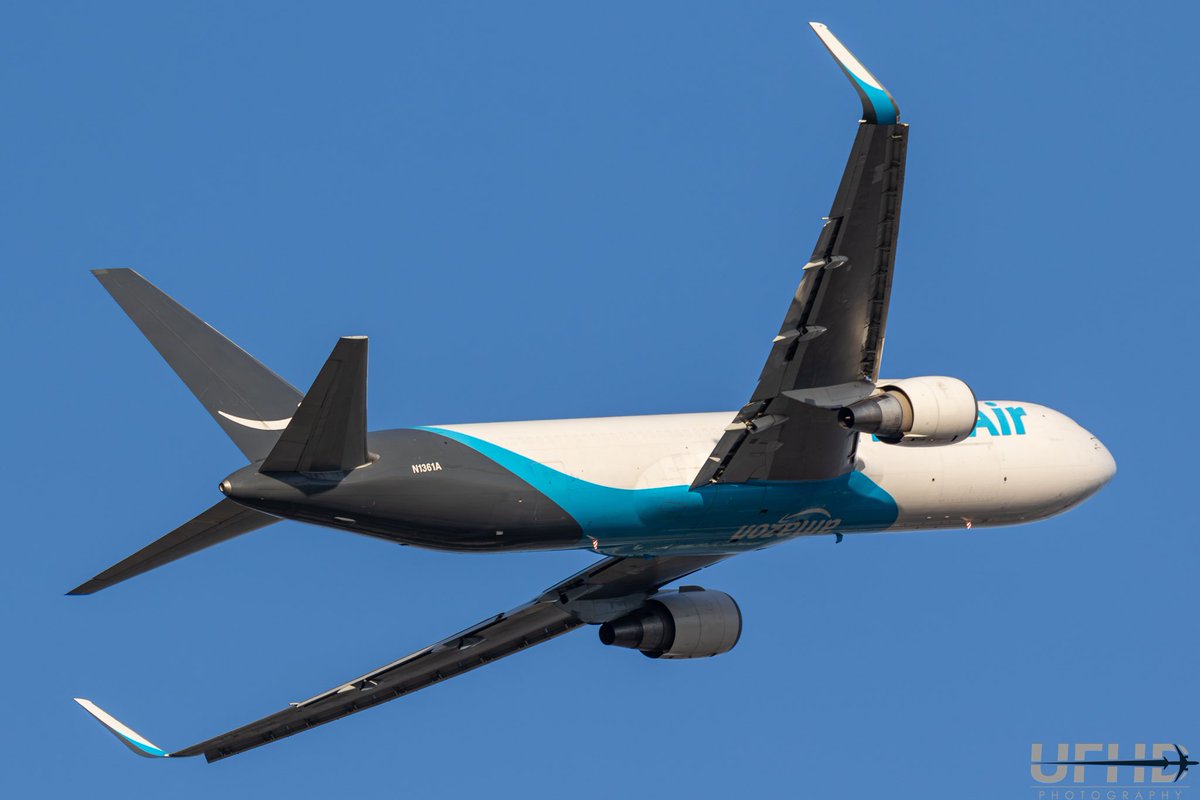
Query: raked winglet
(127, 736)
(879, 107)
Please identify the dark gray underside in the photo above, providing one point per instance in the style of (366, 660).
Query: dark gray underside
(424, 489)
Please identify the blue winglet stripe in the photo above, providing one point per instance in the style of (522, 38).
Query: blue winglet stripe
(881, 102)
(148, 749)
(879, 107)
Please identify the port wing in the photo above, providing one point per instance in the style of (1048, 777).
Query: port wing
(609, 584)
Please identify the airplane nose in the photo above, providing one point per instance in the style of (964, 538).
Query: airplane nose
(1100, 465)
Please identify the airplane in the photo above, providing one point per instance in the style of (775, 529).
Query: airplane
(822, 447)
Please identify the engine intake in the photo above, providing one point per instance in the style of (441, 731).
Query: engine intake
(915, 411)
(689, 623)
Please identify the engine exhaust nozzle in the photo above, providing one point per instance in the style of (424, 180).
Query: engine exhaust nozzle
(882, 415)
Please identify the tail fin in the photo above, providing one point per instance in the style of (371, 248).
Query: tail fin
(328, 432)
(250, 402)
(220, 523)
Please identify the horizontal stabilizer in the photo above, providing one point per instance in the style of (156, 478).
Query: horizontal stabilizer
(220, 523)
(328, 432)
(250, 402)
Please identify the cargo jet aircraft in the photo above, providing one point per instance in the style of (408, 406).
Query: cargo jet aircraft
(823, 446)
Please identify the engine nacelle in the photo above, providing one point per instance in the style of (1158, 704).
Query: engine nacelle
(689, 623)
(915, 411)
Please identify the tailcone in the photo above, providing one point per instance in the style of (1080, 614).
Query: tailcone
(255, 489)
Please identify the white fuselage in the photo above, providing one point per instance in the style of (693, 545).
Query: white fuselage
(1024, 462)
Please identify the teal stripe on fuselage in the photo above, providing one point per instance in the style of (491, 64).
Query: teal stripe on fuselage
(729, 517)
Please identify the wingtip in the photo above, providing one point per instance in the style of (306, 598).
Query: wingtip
(106, 271)
(90, 586)
(125, 735)
(879, 107)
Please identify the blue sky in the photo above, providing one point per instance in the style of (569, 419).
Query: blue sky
(553, 210)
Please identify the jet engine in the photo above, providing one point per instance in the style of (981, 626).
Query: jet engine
(915, 411)
(689, 623)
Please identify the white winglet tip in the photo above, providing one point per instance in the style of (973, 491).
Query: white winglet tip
(126, 735)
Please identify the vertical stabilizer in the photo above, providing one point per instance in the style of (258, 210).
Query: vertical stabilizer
(250, 402)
